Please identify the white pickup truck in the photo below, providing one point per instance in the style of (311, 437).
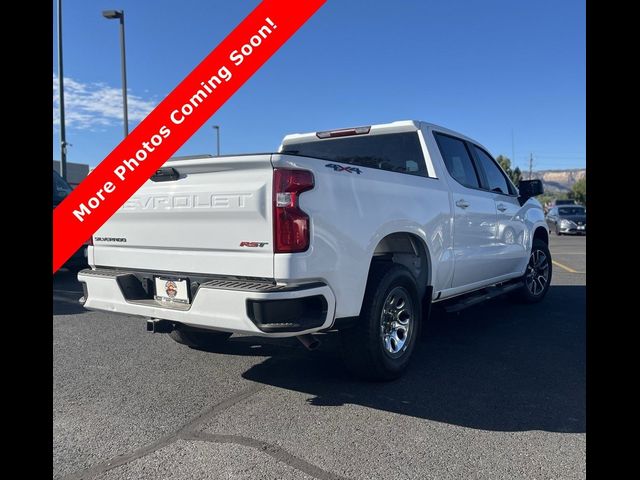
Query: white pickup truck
(358, 230)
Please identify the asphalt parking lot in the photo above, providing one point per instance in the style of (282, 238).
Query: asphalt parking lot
(496, 392)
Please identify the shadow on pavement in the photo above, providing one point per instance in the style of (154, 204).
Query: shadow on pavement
(66, 307)
(498, 366)
(66, 292)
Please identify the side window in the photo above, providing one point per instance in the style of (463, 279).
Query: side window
(457, 160)
(497, 181)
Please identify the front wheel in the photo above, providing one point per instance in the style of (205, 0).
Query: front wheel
(380, 345)
(537, 277)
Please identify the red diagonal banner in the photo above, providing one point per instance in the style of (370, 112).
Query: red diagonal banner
(174, 120)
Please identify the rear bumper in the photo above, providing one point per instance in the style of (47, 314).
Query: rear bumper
(248, 307)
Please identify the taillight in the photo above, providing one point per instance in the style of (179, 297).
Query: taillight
(290, 224)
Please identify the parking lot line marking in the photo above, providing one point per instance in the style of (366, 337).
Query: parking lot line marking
(568, 269)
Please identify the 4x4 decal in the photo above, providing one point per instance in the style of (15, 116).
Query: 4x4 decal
(340, 168)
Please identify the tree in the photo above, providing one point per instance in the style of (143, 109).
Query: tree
(515, 175)
(579, 191)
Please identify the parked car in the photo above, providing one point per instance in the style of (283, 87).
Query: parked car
(568, 219)
(557, 203)
(358, 230)
(61, 189)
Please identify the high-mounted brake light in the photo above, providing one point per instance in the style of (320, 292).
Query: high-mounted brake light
(345, 132)
(290, 224)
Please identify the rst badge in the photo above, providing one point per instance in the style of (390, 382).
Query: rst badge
(253, 244)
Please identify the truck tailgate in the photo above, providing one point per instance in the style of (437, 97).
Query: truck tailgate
(215, 218)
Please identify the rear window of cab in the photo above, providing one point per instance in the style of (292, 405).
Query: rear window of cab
(394, 152)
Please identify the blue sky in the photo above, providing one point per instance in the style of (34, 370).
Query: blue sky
(487, 69)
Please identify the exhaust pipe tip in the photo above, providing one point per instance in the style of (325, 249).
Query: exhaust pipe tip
(310, 342)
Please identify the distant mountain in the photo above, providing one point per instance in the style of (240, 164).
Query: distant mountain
(558, 180)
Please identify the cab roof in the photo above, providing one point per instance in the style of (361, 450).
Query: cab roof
(377, 129)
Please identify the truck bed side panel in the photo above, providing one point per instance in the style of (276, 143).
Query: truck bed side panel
(350, 213)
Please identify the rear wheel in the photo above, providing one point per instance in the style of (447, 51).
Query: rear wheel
(380, 345)
(199, 339)
(537, 277)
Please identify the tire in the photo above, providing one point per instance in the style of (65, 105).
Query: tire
(199, 339)
(379, 346)
(537, 277)
(558, 233)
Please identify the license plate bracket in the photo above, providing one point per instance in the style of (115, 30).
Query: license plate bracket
(172, 290)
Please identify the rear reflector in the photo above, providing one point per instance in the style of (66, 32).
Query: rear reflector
(290, 224)
(345, 132)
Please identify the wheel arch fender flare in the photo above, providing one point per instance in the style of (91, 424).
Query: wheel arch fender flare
(405, 244)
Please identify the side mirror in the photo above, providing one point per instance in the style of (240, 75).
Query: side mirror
(530, 188)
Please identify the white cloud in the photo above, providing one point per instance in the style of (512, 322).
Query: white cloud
(94, 105)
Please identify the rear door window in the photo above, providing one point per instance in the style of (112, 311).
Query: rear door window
(457, 160)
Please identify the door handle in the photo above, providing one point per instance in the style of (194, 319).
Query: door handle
(462, 203)
(501, 207)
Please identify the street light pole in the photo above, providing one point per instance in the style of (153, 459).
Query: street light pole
(217, 129)
(125, 107)
(63, 134)
(119, 14)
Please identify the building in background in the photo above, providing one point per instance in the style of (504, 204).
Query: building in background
(76, 172)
